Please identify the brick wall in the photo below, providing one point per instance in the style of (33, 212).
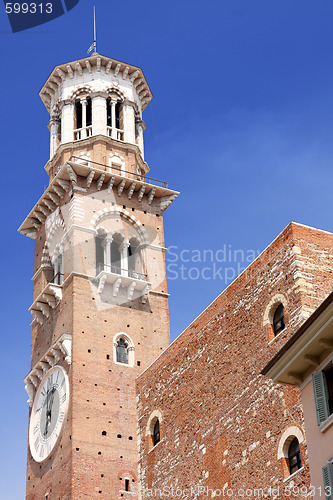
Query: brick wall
(221, 420)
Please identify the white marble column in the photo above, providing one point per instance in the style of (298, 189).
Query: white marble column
(107, 252)
(113, 119)
(139, 140)
(53, 126)
(129, 123)
(124, 257)
(67, 122)
(84, 118)
(98, 115)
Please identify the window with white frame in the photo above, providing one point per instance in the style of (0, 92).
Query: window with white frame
(123, 349)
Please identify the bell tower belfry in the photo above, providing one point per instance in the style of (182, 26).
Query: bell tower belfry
(100, 301)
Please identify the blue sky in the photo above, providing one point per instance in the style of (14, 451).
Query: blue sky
(241, 124)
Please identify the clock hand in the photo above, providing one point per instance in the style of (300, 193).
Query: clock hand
(51, 400)
(48, 413)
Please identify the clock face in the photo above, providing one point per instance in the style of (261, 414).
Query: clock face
(48, 413)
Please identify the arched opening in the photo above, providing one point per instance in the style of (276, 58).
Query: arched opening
(82, 118)
(278, 320)
(114, 117)
(294, 456)
(78, 115)
(122, 351)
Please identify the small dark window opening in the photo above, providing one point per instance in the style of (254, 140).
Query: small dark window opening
(126, 484)
(108, 113)
(118, 114)
(78, 114)
(122, 351)
(329, 382)
(294, 456)
(278, 320)
(88, 112)
(156, 434)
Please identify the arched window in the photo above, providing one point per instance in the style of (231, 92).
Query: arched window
(122, 351)
(82, 118)
(156, 433)
(278, 319)
(294, 456)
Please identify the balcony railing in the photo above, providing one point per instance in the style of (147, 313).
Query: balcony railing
(57, 279)
(122, 272)
(118, 133)
(120, 171)
(82, 133)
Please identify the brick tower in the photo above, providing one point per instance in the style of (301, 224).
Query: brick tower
(100, 304)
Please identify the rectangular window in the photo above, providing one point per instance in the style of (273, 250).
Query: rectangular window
(126, 484)
(322, 385)
(328, 481)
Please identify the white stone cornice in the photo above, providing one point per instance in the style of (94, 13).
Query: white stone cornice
(131, 190)
(117, 69)
(121, 187)
(151, 196)
(88, 66)
(134, 75)
(49, 204)
(110, 184)
(90, 178)
(48, 298)
(141, 192)
(61, 74)
(108, 67)
(51, 357)
(69, 173)
(100, 182)
(70, 71)
(79, 68)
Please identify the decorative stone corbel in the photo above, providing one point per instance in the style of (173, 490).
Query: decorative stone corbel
(30, 391)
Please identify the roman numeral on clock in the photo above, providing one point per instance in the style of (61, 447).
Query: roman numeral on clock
(36, 444)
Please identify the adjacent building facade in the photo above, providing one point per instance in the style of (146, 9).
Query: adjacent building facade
(224, 428)
(306, 361)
